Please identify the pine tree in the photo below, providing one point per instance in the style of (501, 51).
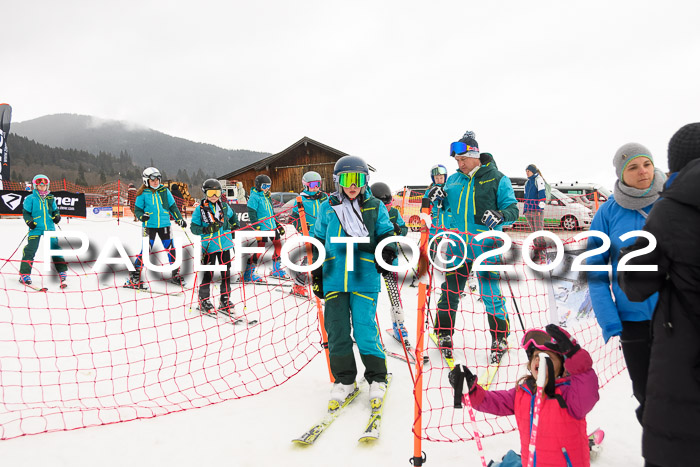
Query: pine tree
(81, 176)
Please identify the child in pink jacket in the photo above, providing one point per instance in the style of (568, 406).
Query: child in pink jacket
(571, 391)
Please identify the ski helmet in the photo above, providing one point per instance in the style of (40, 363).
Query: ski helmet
(438, 170)
(211, 184)
(39, 177)
(381, 191)
(350, 164)
(151, 173)
(261, 180)
(311, 177)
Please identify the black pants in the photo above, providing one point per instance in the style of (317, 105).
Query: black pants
(224, 257)
(636, 347)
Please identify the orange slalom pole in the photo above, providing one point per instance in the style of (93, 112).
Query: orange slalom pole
(319, 307)
(418, 455)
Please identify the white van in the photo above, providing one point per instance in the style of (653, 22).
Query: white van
(560, 212)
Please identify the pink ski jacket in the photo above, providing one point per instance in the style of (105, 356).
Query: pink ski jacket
(562, 439)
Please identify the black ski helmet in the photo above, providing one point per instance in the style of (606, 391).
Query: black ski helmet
(382, 191)
(260, 179)
(210, 184)
(350, 164)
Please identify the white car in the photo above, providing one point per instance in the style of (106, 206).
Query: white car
(560, 212)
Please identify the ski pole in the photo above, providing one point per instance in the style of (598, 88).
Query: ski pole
(517, 309)
(541, 376)
(13, 253)
(459, 385)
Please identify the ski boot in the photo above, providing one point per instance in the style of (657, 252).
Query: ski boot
(377, 389)
(134, 281)
(400, 333)
(177, 279)
(277, 270)
(25, 279)
(340, 394)
(445, 343)
(249, 274)
(472, 283)
(205, 307)
(226, 308)
(594, 442)
(63, 276)
(300, 290)
(498, 348)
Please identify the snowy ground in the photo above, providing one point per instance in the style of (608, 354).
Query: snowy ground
(256, 431)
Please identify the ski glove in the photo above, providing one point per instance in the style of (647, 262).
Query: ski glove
(317, 282)
(181, 222)
(397, 228)
(562, 343)
(211, 228)
(31, 225)
(457, 376)
(388, 255)
(541, 204)
(436, 193)
(280, 230)
(56, 218)
(492, 218)
(145, 217)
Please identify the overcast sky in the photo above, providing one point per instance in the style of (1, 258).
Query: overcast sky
(394, 82)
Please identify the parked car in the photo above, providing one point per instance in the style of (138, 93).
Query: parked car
(560, 212)
(584, 193)
(282, 204)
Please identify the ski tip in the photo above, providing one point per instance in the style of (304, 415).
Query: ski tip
(300, 442)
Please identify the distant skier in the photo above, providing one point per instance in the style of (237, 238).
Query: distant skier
(154, 206)
(570, 393)
(382, 192)
(312, 197)
(214, 222)
(262, 217)
(41, 214)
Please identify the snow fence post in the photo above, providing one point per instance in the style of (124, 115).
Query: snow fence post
(319, 308)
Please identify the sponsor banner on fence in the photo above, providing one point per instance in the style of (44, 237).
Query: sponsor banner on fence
(70, 204)
(104, 212)
(570, 300)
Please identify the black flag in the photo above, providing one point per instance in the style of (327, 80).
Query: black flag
(5, 117)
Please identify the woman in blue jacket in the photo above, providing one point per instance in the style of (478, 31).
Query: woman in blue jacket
(636, 190)
(214, 222)
(41, 214)
(154, 206)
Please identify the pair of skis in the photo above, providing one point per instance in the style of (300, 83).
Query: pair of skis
(372, 427)
(62, 285)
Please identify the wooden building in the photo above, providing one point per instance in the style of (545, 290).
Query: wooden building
(286, 168)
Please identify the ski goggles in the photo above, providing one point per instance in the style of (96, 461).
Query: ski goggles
(536, 339)
(313, 184)
(438, 170)
(211, 193)
(265, 186)
(348, 179)
(459, 148)
(154, 177)
(41, 181)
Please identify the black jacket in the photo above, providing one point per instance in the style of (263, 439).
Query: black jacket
(672, 414)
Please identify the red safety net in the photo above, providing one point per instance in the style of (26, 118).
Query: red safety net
(536, 298)
(96, 353)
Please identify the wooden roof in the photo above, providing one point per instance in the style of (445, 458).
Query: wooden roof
(267, 161)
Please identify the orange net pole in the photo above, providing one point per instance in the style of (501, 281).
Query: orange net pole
(319, 307)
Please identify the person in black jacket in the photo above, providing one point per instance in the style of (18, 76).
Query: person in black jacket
(671, 432)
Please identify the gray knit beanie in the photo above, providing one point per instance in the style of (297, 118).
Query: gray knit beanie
(628, 152)
(684, 147)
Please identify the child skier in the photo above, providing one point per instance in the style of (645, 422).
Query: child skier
(351, 295)
(382, 192)
(262, 217)
(41, 214)
(311, 199)
(571, 391)
(214, 222)
(154, 206)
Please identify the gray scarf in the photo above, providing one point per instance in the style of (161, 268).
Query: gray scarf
(632, 198)
(350, 216)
